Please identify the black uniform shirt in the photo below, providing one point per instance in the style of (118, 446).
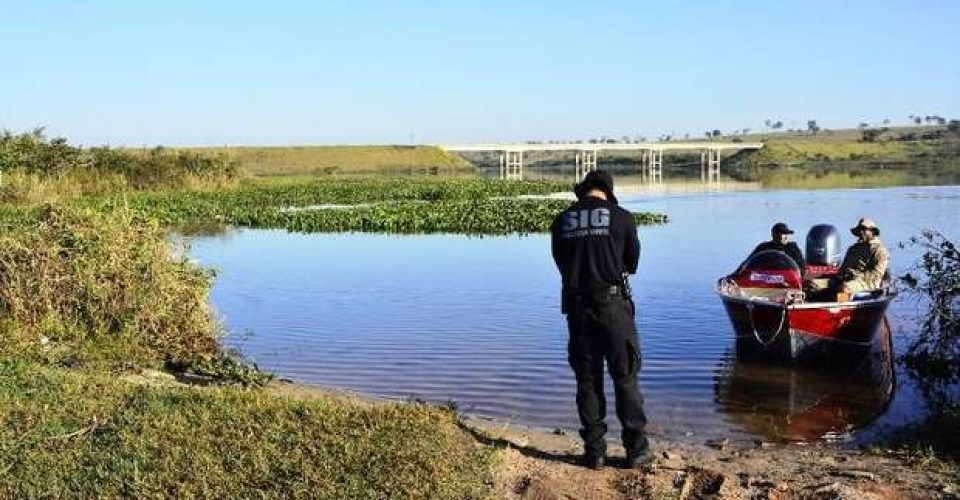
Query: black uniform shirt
(790, 249)
(594, 242)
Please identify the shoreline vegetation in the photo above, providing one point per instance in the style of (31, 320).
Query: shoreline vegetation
(113, 380)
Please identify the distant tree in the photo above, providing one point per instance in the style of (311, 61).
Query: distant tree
(708, 133)
(717, 133)
(812, 126)
(940, 120)
(592, 141)
(916, 119)
(954, 126)
(768, 123)
(870, 135)
(665, 138)
(686, 136)
(746, 131)
(778, 125)
(863, 125)
(886, 121)
(625, 139)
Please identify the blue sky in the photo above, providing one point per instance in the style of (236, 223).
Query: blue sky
(285, 72)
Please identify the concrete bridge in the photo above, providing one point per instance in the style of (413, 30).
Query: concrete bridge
(651, 155)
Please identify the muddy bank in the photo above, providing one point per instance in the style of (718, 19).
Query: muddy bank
(540, 465)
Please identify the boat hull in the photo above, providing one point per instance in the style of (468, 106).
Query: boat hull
(793, 331)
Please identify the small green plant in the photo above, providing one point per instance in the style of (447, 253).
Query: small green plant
(222, 368)
(937, 285)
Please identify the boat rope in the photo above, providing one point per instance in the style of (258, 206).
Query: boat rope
(776, 333)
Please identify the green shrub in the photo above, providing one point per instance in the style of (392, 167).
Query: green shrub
(62, 169)
(86, 284)
(937, 285)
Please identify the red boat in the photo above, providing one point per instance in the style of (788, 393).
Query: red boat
(779, 312)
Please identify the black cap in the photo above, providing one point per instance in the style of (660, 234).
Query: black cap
(596, 179)
(781, 228)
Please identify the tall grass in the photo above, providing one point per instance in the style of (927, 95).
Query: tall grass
(80, 284)
(36, 168)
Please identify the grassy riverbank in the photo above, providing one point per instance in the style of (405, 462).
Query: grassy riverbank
(94, 296)
(70, 433)
(342, 160)
(852, 158)
(92, 300)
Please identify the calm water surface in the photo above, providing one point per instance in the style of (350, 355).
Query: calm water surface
(477, 321)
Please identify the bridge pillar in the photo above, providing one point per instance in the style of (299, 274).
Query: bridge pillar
(586, 162)
(511, 165)
(703, 166)
(654, 166)
(711, 165)
(643, 165)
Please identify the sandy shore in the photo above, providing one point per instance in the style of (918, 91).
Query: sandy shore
(541, 465)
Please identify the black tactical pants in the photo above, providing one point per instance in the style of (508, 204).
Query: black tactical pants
(604, 329)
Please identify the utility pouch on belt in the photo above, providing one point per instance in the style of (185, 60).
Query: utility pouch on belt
(585, 298)
(625, 286)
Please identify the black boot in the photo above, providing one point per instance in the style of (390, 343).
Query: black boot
(639, 458)
(592, 461)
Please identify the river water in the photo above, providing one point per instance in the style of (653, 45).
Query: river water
(476, 321)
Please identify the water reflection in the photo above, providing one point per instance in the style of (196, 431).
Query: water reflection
(826, 400)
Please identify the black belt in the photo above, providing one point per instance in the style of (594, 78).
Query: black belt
(610, 290)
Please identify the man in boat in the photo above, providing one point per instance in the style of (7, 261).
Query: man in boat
(780, 240)
(866, 262)
(595, 246)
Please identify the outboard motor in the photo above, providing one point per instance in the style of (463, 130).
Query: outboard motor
(823, 246)
(769, 269)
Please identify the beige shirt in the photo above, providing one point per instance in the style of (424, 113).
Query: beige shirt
(867, 262)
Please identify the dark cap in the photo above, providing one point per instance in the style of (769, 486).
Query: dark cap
(781, 228)
(596, 179)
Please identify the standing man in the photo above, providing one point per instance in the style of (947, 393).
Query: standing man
(595, 247)
(865, 264)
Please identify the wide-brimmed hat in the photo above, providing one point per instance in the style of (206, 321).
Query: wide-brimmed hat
(865, 223)
(781, 228)
(596, 179)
